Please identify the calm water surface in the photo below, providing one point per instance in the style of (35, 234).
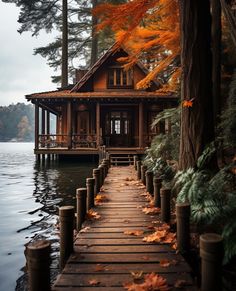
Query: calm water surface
(29, 198)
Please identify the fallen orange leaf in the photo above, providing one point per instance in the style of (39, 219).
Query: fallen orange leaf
(91, 214)
(134, 232)
(94, 282)
(165, 263)
(137, 275)
(151, 210)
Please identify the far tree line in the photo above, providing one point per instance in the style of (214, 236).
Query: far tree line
(17, 123)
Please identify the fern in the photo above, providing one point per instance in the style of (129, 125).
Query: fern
(212, 198)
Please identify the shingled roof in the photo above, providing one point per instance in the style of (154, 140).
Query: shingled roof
(111, 51)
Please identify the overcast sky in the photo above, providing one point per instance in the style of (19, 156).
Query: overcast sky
(21, 73)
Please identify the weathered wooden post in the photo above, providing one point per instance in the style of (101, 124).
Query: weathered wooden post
(81, 197)
(38, 265)
(66, 217)
(183, 226)
(135, 162)
(96, 176)
(105, 165)
(101, 175)
(211, 252)
(138, 170)
(149, 182)
(165, 204)
(156, 189)
(143, 171)
(108, 162)
(90, 182)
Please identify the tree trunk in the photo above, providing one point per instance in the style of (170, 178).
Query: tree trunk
(216, 57)
(94, 46)
(197, 126)
(230, 16)
(64, 69)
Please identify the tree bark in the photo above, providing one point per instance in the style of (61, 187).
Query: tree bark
(230, 16)
(94, 46)
(216, 57)
(64, 69)
(197, 126)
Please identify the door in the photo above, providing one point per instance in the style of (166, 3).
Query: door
(118, 129)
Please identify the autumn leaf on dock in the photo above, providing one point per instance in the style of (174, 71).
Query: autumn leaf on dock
(137, 275)
(91, 214)
(134, 232)
(151, 210)
(161, 235)
(100, 198)
(94, 282)
(129, 179)
(152, 281)
(165, 263)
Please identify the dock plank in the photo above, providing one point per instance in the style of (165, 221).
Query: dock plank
(105, 254)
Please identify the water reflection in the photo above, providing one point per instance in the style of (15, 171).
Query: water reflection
(30, 195)
(55, 185)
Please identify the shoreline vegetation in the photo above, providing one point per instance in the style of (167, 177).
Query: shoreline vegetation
(17, 123)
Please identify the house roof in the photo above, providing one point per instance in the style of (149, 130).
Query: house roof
(111, 51)
(126, 94)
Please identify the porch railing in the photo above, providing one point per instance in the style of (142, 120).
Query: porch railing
(61, 141)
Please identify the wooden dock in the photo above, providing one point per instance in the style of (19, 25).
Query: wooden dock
(110, 253)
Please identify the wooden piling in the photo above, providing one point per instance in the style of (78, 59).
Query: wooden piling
(143, 171)
(156, 191)
(211, 252)
(135, 162)
(183, 226)
(38, 265)
(90, 182)
(138, 170)
(81, 197)
(66, 216)
(165, 204)
(101, 174)
(96, 176)
(149, 182)
(105, 165)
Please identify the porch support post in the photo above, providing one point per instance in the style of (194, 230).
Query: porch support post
(98, 123)
(69, 125)
(36, 138)
(48, 123)
(140, 127)
(43, 121)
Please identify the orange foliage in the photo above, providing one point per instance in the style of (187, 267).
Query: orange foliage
(149, 30)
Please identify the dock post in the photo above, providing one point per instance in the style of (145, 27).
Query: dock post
(149, 182)
(96, 176)
(138, 170)
(156, 189)
(143, 171)
(211, 253)
(108, 162)
(135, 162)
(183, 226)
(66, 216)
(38, 265)
(81, 197)
(104, 165)
(90, 182)
(165, 204)
(101, 175)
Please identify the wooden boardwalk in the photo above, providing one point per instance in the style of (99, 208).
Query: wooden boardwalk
(106, 258)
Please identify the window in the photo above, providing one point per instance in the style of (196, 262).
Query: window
(119, 78)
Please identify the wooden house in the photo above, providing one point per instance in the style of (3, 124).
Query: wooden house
(102, 109)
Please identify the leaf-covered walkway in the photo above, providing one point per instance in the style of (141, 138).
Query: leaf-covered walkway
(113, 252)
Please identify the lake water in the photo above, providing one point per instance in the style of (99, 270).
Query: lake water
(30, 194)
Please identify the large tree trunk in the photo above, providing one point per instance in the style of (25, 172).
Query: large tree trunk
(94, 46)
(230, 15)
(216, 57)
(197, 126)
(64, 69)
